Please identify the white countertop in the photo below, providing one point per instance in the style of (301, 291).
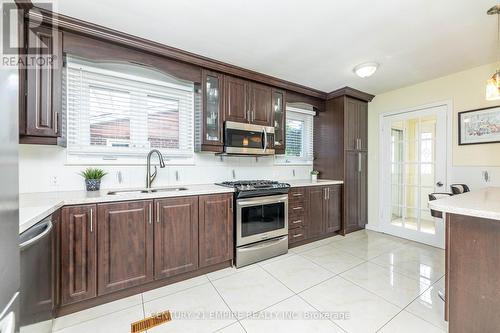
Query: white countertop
(34, 207)
(483, 203)
(308, 182)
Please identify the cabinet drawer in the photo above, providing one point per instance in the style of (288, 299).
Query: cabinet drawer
(296, 210)
(295, 235)
(296, 194)
(296, 222)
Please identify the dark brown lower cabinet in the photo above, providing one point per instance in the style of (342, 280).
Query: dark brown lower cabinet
(78, 253)
(112, 250)
(216, 229)
(176, 236)
(333, 208)
(322, 215)
(125, 245)
(316, 213)
(355, 191)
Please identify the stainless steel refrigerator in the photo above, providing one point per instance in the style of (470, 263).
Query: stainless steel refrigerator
(9, 193)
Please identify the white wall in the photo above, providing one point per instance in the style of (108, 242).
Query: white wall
(43, 169)
(466, 91)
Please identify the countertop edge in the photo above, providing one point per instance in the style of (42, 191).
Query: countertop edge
(52, 201)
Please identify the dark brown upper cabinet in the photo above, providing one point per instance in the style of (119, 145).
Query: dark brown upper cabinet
(176, 236)
(216, 229)
(356, 124)
(125, 245)
(78, 253)
(260, 108)
(279, 116)
(212, 111)
(247, 102)
(236, 99)
(41, 116)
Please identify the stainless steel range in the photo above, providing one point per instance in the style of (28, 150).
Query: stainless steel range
(261, 219)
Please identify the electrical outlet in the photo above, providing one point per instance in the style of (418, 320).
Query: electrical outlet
(486, 176)
(53, 180)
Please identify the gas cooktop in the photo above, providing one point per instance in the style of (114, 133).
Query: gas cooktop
(257, 187)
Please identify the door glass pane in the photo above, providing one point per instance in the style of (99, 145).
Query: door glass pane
(412, 162)
(262, 218)
(212, 108)
(279, 125)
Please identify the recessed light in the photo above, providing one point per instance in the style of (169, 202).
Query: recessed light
(366, 70)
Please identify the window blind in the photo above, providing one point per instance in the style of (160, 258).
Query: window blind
(299, 136)
(115, 114)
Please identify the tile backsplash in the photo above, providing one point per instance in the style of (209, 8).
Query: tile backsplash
(44, 169)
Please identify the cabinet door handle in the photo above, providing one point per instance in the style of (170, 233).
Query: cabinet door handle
(359, 162)
(231, 205)
(56, 122)
(296, 208)
(158, 212)
(91, 219)
(297, 235)
(150, 213)
(295, 222)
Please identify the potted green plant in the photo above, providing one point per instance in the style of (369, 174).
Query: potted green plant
(314, 176)
(93, 178)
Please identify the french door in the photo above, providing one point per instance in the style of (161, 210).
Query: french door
(414, 164)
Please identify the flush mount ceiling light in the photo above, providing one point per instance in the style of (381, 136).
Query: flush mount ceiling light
(493, 84)
(366, 69)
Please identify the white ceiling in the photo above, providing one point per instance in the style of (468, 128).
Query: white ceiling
(315, 42)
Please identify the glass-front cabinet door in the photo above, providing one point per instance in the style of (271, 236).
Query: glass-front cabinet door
(212, 111)
(279, 121)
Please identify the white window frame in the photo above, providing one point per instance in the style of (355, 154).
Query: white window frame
(307, 141)
(73, 157)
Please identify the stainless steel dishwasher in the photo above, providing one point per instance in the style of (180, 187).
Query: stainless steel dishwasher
(37, 276)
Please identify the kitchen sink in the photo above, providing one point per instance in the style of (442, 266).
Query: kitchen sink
(151, 190)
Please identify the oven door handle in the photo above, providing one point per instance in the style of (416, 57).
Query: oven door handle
(263, 244)
(261, 200)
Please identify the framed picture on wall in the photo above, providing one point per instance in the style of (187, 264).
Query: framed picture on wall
(479, 126)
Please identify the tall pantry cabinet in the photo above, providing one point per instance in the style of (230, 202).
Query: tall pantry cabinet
(341, 148)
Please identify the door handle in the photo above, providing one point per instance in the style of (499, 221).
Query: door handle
(158, 212)
(359, 162)
(150, 213)
(91, 219)
(35, 239)
(439, 184)
(265, 139)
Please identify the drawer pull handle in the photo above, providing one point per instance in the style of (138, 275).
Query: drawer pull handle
(296, 208)
(297, 235)
(297, 194)
(295, 222)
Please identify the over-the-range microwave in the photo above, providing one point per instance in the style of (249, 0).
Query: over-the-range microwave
(248, 139)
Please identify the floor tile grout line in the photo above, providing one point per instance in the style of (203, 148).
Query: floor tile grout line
(396, 270)
(176, 292)
(321, 312)
(97, 317)
(431, 286)
(222, 298)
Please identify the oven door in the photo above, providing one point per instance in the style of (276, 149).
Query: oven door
(240, 138)
(261, 218)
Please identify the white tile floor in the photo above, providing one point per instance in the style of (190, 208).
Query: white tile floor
(364, 282)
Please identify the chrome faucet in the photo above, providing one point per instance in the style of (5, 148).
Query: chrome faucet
(150, 177)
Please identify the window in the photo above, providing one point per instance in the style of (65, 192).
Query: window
(299, 137)
(118, 112)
